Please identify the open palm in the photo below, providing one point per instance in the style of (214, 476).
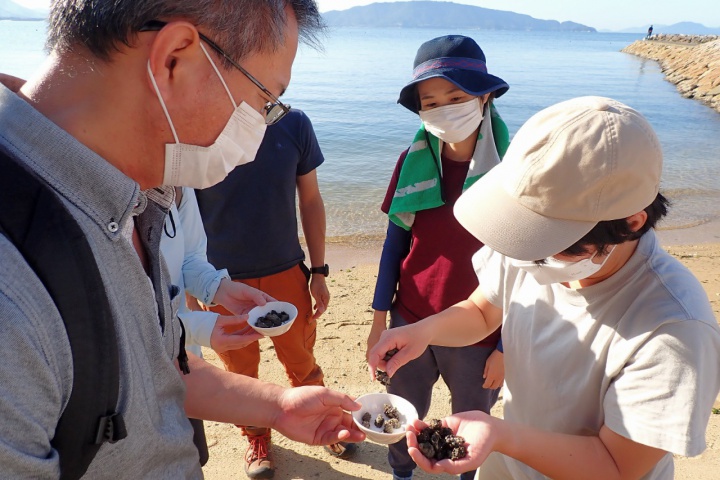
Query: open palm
(474, 426)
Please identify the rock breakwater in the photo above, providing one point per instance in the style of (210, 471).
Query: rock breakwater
(691, 62)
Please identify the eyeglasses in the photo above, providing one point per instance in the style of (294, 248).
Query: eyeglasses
(274, 110)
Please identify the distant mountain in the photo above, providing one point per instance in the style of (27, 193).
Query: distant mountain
(442, 15)
(688, 28)
(12, 11)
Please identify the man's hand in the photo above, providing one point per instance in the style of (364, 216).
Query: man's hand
(239, 298)
(317, 416)
(313, 415)
(477, 429)
(494, 373)
(321, 294)
(193, 303)
(232, 333)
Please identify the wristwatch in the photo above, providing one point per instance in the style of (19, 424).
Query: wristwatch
(324, 270)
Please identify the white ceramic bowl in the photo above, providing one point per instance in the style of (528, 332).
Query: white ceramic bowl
(373, 403)
(258, 312)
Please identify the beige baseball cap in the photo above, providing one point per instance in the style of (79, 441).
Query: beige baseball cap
(569, 167)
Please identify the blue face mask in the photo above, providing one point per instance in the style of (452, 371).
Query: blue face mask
(561, 271)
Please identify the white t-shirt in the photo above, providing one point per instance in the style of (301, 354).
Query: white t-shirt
(637, 352)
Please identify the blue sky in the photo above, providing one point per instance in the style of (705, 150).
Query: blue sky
(604, 14)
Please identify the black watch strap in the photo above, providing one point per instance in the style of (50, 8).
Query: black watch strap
(324, 270)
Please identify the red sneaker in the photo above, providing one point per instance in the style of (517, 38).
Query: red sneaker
(257, 457)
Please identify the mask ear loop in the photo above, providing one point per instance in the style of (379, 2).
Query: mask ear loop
(162, 102)
(172, 222)
(606, 256)
(222, 80)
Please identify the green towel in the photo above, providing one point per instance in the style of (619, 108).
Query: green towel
(418, 186)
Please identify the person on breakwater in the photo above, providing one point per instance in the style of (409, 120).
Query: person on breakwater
(649, 33)
(611, 345)
(425, 265)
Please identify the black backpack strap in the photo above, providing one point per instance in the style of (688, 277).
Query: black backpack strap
(34, 219)
(182, 353)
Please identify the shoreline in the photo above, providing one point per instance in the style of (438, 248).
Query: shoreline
(691, 62)
(705, 233)
(351, 251)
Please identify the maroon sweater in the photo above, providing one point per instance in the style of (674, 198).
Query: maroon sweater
(437, 272)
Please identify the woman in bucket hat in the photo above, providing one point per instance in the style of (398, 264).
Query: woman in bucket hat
(426, 260)
(612, 362)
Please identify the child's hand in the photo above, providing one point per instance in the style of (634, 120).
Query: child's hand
(378, 327)
(478, 430)
(409, 343)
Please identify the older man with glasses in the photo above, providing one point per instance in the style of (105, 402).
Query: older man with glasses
(118, 115)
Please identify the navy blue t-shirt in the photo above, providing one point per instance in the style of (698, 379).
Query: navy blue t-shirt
(250, 217)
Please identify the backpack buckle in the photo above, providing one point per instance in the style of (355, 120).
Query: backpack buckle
(111, 429)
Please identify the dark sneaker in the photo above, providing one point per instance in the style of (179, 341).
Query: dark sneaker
(342, 449)
(402, 475)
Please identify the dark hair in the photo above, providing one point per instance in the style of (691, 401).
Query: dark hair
(240, 27)
(613, 232)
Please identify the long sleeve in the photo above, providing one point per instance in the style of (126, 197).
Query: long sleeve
(200, 277)
(395, 249)
(198, 327)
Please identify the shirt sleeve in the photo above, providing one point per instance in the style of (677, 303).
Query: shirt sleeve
(395, 249)
(35, 374)
(201, 278)
(198, 326)
(385, 207)
(489, 267)
(311, 156)
(665, 392)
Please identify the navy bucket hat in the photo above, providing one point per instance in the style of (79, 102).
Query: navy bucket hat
(455, 58)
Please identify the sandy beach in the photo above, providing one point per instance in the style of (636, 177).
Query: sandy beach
(340, 350)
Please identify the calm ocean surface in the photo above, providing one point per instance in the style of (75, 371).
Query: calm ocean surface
(349, 91)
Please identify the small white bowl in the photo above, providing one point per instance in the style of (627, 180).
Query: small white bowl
(258, 312)
(373, 403)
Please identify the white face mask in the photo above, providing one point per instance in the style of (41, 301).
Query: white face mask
(453, 123)
(202, 167)
(561, 271)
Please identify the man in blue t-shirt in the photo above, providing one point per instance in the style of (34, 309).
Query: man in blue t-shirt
(251, 225)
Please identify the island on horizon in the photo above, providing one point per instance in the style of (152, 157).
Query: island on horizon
(433, 14)
(10, 10)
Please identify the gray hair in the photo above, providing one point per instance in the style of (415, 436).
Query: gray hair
(240, 27)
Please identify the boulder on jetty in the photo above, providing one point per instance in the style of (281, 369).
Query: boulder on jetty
(691, 62)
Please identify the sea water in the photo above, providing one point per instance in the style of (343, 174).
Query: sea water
(350, 89)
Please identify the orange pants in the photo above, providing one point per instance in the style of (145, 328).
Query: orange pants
(295, 347)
